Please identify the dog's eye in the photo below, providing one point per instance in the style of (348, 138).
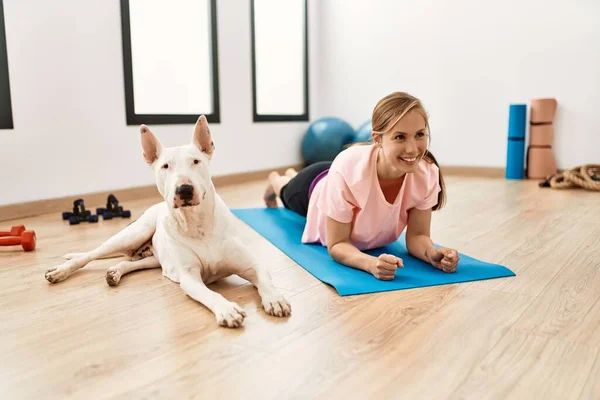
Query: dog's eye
(196, 161)
(166, 166)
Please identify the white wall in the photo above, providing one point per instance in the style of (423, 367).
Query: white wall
(71, 137)
(468, 60)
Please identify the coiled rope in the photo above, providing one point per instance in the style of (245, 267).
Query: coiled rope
(585, 176)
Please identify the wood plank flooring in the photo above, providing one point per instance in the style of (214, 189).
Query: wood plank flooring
(533, 336)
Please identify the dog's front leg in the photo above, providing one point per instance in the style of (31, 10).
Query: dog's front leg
(245, 265)
(226, 312)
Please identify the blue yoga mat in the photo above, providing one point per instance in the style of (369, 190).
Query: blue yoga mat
(515, 151)
(284, 228)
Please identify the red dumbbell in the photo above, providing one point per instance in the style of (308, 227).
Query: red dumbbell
(26, 240)
(14, 231)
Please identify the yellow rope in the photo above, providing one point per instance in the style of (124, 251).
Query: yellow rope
(584, 176)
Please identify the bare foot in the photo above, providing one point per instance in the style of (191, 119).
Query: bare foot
(270, 197)
(273, 176)
(291, 172)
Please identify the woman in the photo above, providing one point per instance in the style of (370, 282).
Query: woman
(371, 192)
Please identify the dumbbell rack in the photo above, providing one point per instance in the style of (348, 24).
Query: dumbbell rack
(79, 214)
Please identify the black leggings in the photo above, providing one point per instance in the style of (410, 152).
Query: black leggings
(294, 195)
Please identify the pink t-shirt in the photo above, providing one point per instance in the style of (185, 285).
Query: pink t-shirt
(351, 193)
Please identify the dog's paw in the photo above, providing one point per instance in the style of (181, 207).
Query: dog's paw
(277, 305)
(70, 256)
(113, 276)
(55, 275)
(230, 315)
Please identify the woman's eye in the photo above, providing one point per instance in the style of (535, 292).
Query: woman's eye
(399, 137)
(420, 134)
(165, 166)
(196, 162)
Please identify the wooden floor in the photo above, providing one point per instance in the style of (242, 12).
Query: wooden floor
(533, 336)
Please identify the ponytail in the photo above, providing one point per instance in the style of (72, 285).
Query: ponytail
(442, 194)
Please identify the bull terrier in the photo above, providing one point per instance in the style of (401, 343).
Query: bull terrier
(191, 235)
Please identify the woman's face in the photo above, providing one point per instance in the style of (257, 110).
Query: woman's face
(404, 144)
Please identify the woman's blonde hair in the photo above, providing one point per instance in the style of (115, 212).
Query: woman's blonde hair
(388, 111)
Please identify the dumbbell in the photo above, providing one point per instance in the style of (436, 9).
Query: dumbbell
(14, 231)
(26, 239)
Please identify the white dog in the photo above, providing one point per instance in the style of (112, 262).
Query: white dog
(191, 235)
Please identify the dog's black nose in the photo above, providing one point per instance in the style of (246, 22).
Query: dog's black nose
(185, 192)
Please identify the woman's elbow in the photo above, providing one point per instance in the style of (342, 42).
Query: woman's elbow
(331, 249)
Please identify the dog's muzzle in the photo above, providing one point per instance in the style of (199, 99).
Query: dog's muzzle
(185, 196)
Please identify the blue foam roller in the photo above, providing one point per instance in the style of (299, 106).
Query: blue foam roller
(515, 154)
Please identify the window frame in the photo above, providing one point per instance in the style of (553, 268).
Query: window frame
(6, 115)
(136, 119)
(279, 117)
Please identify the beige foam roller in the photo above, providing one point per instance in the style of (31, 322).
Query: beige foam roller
(541, 135)
(543, 110)
(540, 163)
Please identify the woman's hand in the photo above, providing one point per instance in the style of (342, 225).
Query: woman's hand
(443, 258)
(384, 267)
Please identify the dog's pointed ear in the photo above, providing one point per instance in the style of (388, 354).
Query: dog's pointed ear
(202, 137)
(150, 144)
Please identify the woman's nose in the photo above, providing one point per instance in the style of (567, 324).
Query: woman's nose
(411, 147)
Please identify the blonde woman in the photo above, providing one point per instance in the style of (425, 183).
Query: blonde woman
(371, 192)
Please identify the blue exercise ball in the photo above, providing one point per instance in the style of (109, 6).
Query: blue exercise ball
(325, 139)
(363, 133)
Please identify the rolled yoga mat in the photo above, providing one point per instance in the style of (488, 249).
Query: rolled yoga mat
(541, 162)
(515, 154)
(284, 228)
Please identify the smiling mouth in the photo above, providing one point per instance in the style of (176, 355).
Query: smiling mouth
(409, 160)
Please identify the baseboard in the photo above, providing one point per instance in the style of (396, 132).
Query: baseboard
(473, 172)
(98, 199)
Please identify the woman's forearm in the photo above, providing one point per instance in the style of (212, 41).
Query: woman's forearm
(347, 254)
(418, 246)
